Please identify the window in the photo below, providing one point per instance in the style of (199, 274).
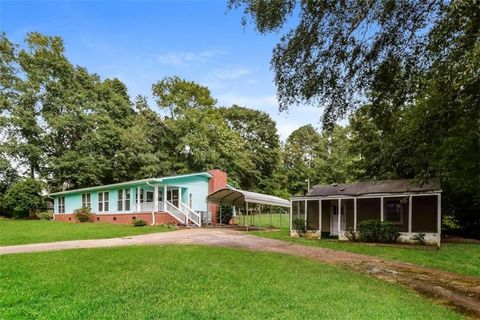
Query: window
(149, 196)
(127, 199)
(103, 201)
(120, 200)
(123, 202)
(86, 200)
(394, 211)
(61, 204)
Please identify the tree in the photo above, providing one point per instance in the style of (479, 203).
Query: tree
(302, 149)
(179, 95)
(23, 198)
(259, 133)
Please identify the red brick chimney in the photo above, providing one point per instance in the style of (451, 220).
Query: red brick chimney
(216, 182)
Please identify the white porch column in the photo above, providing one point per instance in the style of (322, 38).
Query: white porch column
(439, 218)
(410, 198)
(155, 198)
(139, 190)
(164, 197)
(339, 212)
(381, 209)
(354, 214)
(320, 218)
(305, 208)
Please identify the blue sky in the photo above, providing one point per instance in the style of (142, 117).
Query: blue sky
(141, 42)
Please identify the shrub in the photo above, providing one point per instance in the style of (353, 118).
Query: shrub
(44, 215)
(139, 223)
(369, 230)
(24, 198)
(388, 232)
(227, 214)
(419, 238)
(83, 215)
(377, 231)
(351, 235)
(299, 226)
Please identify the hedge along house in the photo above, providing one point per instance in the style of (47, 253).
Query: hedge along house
(411, 207)
(177, 199)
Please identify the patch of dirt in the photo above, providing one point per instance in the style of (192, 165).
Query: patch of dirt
(458, 291)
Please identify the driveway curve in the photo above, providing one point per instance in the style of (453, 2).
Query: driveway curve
(455, 290)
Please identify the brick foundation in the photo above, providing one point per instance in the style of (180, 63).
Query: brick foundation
(218, 181)
(122, 218)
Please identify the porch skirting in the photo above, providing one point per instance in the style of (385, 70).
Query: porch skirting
(121, 218)
(405, 237)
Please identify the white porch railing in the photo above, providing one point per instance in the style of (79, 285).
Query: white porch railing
(147, 206)
(176, 212)
(191, 214)
(182, 213)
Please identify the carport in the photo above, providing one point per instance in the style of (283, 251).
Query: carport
(244, 201)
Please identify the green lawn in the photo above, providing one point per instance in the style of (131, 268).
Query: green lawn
(263, 220)
(461, 258)
(190, 282)
(34, 231)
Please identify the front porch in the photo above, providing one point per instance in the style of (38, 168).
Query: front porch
(410, 213)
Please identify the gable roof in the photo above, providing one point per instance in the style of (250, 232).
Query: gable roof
(130, 183)
(235, 197)
(374, 187)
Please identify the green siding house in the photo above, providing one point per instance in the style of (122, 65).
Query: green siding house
(177, 199)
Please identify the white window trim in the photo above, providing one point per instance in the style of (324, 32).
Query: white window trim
(103, 201)
(123, 192)
(89, 200)
(401, 211)
(61, 204)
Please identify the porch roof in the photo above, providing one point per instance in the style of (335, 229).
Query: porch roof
(131, 183)
(236, 197)
(374, 187)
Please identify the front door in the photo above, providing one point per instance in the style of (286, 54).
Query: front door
(172, 196)
(334, 220)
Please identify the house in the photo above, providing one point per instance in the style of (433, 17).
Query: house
(177, 199)
(411, 207)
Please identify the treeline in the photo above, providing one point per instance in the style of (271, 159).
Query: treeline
(63, 127)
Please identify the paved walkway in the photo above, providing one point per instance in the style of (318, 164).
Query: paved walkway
(458, 291)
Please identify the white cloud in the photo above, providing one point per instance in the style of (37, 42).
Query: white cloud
(181, 59)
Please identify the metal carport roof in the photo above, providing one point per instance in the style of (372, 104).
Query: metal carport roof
(236, 197)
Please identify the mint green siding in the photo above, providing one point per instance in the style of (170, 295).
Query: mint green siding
(196, 186)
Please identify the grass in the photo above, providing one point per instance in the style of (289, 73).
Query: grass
(190, 282)
(453, 257)
(33, 231)
(263, 220)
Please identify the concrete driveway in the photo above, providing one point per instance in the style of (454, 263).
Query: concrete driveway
(458, 291)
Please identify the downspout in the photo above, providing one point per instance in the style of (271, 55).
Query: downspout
(154, 201)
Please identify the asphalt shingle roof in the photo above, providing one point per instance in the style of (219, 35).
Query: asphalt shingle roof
(373, 187)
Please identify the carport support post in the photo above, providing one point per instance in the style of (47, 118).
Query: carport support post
(270, 218)
(246, 211)
(291, 213)
(220, 213)
(410, 198)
